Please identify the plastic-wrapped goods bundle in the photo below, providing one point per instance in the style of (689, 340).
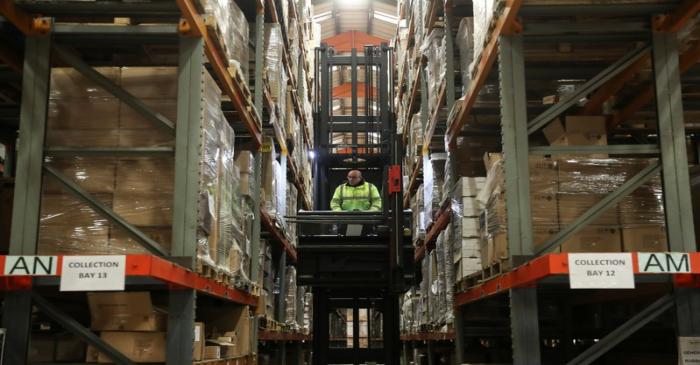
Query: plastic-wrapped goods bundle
(270, 171)
(292, 196)
(433, 49)
(275, 72)
(246, 166)
(406, 319)
(229, 217)
(415, 141)
(290, 299)
(465, 225)
(140, 189)
(307, 325)
(418, 211)
(418, 12)
(465, 45)
(424, 309)
(448, 257)
(435, 310)
(232, 26)
(433, 175)
(440, 255)
(483, 13)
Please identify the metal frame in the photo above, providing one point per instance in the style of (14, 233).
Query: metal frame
(18, 304)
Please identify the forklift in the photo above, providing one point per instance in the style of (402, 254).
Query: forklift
(357, 263)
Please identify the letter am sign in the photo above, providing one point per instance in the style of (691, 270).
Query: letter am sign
(31, 265)
(664, 262)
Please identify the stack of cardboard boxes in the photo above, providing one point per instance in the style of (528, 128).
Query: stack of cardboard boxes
(223, 333)
(138, 189)
(564, 188)
(464, 231)
(130, 323)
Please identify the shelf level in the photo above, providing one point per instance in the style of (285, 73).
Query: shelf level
(555, 264)
(149, 267)
(277, 235)
(282, 336)
(429, 336)
(193, 25)
(241, 360)
(442, 219)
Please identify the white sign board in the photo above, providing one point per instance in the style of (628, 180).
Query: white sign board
(93, 273)
(664, 262)
(601, 271)
(688, 350)
(31, 265)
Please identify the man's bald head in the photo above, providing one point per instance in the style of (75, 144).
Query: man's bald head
(354, 177)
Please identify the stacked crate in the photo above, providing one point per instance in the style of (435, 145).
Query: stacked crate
(466, 244)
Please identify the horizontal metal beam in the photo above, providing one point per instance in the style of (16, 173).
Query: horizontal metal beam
(624, 331)
(108, 213)
(347, 61)
(171, 30)
(601, 207)
(77, 329)
(110, 151)
(639, 149)
(592, 84)
(96, 77)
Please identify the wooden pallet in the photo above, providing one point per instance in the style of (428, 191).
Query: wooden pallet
(205, 269)
(479, 277)
(217, 36)
(269, 324)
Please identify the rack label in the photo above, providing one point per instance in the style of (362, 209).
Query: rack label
(601, 271)
(93, 273)
(664, 262)
(688, 350)
(31, 265)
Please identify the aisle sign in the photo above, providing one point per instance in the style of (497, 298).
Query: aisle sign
(93, 273)
(664, 262)
(31, 265)
(688, 350)
(601, 271)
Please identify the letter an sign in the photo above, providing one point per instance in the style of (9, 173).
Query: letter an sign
(31, 265)
(664, 263)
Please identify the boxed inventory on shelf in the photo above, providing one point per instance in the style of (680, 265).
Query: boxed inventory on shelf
(139, 189)
(579, 184)
(230, 25)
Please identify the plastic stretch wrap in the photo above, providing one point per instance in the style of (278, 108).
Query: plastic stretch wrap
(433, 175)
(433, 49)
(274, 68)
(465, 45)
(307, 326)
(448, 254)
(434, 289)
(425, 294)
(561, 190)
(440, 279)
(419, 10)
(483, 13)
(418, 211)
(232, 27)
(290, 299)
(292, 195)
(139, 189)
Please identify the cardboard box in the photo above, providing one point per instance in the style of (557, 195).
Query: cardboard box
(124, 311)
(144, 209)
(198, 351)
(572, 206)
(144, 138)
(150, 82)
(594, 239)
(466, 266)
(542, 234)
(212, 352)
(587, 131)
(69, 349)
(146, 176)
(137, 346)
(121, 242)
(543, 208)
(82, 138)
(470, 227)
(499, 251)
(94, 175)
(41, 348)
(555, 133)
(129, 118)
(650, 238)
(71, 239)
(64, 209)
(243, 334)
(471, 207)
(469, 186)
(234, 320)
(83, 113)
(67, 82)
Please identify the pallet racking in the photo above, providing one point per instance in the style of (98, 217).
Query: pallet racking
(177, 25)
(513, 311)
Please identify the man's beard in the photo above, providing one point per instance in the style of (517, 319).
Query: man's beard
(362, 181)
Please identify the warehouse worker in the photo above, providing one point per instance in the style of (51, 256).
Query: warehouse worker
(356, 194)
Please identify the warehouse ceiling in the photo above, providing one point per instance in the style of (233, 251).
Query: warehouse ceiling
(377, 18)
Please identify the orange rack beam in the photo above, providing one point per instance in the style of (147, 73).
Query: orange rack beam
(555, 264)
(147, 266)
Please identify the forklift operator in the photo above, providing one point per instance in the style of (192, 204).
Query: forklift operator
(356, 195)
